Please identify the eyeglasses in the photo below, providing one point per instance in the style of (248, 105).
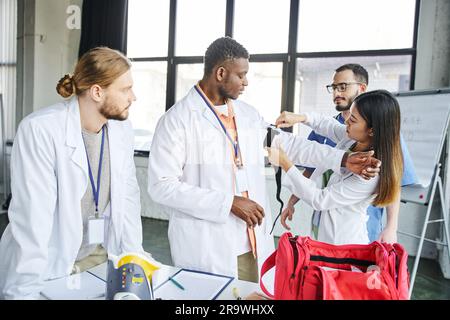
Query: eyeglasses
(341, 87)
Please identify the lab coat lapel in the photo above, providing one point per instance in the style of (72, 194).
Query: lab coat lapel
(116, 147)
(74, 138)
(207, 113)
(116, 155)
(243, 130)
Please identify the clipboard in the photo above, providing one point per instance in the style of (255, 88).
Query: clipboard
(197, 285)
(81, 286)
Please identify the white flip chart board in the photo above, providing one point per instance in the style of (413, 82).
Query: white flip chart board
(424, 124)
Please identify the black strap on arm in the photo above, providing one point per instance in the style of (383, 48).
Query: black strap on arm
(268, 143)
(278, 181)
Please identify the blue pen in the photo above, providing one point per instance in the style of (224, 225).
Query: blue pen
(176, 283)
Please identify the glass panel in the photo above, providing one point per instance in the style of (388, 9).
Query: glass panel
(264, 88)
(187, 76)
(263, 91)
(150, 90)
(313, 74)
(199, 22)
(345, 25)
(8, 58)
(262, 26)
(148, 28)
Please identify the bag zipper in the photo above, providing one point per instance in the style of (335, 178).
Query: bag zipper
(293, 242)
(396, 266)
(358, 262)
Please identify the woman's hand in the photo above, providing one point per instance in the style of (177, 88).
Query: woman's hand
(278, 157)
(288, 212)
(388, 235)
(362, 163)
(288, 119)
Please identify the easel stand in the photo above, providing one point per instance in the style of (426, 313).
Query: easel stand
(436, 184)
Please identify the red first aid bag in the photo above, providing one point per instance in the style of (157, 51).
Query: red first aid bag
(306, 269)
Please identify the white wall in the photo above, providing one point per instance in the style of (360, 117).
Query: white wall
(433, 45)
(56, 49)
(47, 49)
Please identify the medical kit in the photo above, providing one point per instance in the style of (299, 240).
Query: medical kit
(130, 277)
(306, 269)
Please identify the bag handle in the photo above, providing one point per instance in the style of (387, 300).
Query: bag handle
(267, 265)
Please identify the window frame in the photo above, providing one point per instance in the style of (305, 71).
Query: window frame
(289, 58)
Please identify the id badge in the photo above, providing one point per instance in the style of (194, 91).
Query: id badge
(96, 230)
(241, 180)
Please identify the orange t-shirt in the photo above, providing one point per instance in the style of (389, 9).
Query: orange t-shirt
(230, 124)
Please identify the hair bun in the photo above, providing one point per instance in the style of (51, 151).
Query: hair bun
(66, 86)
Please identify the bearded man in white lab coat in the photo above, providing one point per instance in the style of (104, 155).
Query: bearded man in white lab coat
(75, 196)
(206, 166)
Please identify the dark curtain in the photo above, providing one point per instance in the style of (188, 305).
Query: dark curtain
(104, 23)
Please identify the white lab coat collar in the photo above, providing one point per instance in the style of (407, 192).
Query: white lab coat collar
(241, 119)
(74, 140)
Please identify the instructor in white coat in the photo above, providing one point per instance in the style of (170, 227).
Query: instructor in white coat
(206, 166)
(75, 196)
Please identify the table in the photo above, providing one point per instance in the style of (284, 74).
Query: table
(244, 287)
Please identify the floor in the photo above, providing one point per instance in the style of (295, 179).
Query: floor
(430, 284)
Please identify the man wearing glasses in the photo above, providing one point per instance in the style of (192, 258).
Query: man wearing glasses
(349, 81)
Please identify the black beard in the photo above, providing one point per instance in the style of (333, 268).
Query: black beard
(223, 93)
(105, 112)
(343, 108)
(346, 107)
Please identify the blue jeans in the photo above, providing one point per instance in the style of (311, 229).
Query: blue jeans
(375, 222)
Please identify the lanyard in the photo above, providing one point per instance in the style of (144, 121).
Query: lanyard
(91, 177)
(234, 143)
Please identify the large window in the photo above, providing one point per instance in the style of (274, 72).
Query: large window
(8, 35)
(187, 76)
(346, 25)
(150, 89)
(262, 26)
(198, 23)
(313, 74)
(148, 28)
(294, 46)
(264, 90)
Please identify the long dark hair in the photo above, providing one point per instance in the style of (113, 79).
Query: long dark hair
(381, 111)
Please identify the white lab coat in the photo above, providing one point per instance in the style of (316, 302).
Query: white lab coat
(344, 202)
(191, 173)
(49, 178)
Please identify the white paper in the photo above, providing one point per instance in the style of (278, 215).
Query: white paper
(81, 286)
(197, 286)
(96, 231)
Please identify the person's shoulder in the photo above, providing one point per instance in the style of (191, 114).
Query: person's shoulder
(246, 109)
(124, 125)
(183, 111)
(49, 118)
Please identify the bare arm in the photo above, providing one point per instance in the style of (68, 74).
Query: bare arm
(389, 233)
(289, 211)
